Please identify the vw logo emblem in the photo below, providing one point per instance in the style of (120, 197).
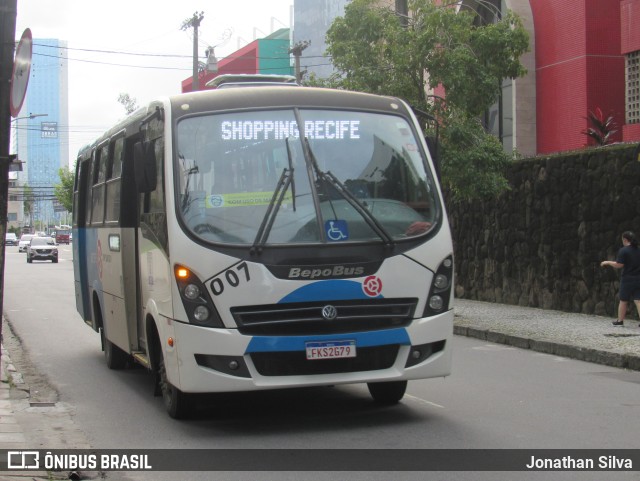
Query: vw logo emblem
(329, 312)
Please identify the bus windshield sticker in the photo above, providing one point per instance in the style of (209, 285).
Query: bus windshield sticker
(241, 199)
(282, 129)
(337, 230)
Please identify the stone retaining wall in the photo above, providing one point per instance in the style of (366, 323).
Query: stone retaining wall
(541, 243)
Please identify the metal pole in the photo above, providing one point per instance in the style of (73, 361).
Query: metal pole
(8, 14)
(196, 79)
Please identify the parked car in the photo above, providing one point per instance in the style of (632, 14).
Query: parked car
(10, 239)
(24, 242)
(62, 237)
(42, 249)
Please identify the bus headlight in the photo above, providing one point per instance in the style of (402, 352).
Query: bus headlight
(195, 299)
(191, 292)
(440, 291)
(201, 313)
(436, 302)
(441, 281)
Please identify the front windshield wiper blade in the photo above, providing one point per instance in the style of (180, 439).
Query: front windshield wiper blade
(270, 216)
(334, 182)
(291, 175)
(186, 200)
(286, 180)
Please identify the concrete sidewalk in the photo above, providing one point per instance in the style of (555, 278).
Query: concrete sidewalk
(577, 336)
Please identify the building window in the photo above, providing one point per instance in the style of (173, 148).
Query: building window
(632, 64)
(498, 119)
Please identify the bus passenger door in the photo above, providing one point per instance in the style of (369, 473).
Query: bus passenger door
(79, 244)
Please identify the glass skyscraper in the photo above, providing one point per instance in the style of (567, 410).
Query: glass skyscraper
(312, 19)
(40, 135)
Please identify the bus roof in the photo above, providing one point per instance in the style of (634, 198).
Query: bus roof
(265, 97)
(251, 79)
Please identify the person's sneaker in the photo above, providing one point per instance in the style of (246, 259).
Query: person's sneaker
(618, 323)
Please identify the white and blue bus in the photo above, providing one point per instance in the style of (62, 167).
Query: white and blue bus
(262, 238)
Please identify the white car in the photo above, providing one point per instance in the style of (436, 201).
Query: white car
(10, 239)
(42, 249)
(24, 242)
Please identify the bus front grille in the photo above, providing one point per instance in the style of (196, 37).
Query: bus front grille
(295, 363)
(307, 318)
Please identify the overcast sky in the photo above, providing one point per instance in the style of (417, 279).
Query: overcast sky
(150, 27)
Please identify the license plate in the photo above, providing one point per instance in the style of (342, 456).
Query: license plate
(331, 349)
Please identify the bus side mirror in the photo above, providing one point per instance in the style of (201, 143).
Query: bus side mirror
(144, 167)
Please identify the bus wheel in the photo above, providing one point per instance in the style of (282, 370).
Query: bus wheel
(116, 358)
(175, 401)
(387, 393)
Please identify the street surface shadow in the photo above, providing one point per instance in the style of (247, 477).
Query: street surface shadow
(323, 408)
(317, 408)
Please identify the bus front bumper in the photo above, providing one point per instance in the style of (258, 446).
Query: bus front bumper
(224, 360)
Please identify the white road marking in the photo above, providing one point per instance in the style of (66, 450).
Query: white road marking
(423, 401)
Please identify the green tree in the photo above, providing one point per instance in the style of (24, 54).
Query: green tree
(376, 51)
(64, 190)
(129, 103)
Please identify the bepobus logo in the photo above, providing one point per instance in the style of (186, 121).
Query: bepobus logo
(325, 272)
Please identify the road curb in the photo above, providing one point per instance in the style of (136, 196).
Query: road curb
(625, 361)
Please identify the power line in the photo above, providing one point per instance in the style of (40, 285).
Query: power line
(106, 63)
(167, 55)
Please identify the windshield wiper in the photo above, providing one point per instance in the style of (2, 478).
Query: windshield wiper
(186, 200)
(286, 180)
(333, 181)
(291, 175)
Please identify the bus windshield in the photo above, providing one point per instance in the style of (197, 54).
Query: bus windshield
(256, 177)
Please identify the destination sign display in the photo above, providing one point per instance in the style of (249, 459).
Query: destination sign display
(282, 129)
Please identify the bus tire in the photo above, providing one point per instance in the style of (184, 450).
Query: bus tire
(116, 358)
(387, 393)
(175, 401)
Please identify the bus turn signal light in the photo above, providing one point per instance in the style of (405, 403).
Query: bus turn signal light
(182, 272)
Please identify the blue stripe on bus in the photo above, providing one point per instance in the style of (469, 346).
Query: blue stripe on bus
(330, 290)
(297, 343)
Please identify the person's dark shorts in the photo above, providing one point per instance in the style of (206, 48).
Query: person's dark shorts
(630, 288)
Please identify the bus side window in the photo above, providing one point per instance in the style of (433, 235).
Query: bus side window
(128, 214)
(88, 179)
(100, 173)
(80, 193)
(156, 197)
(113, 181)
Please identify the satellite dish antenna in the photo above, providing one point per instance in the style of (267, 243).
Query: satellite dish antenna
(21, 71)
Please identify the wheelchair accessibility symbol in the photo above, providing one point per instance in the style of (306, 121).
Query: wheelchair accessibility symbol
(336, 230)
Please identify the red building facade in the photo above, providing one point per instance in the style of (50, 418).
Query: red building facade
(582, 50)
(579, 67)
(269, 55)
(630, 41)
(584, 55)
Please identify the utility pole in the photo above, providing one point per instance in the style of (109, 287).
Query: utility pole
(8, 14)
(296, 51)
(194, 22)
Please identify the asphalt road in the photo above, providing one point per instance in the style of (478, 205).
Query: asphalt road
(498, 397)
